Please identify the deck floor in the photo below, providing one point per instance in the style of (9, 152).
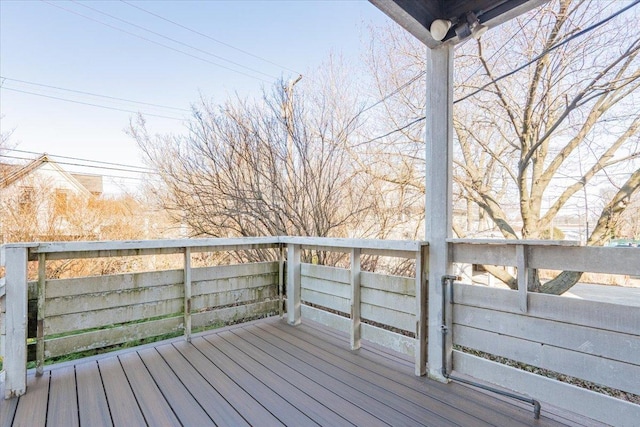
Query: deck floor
(263, 373)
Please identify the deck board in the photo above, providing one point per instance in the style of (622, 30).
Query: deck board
(33, 410)
(123, 404)
(153, 405)
(263, 373)
(93, 408)
(63, 389)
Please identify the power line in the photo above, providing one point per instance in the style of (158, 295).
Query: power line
(208, 37)
(81, 165)
(81, 159)
(174, 40)
(95, 94)
(512, 72)
(552, 48)
(154, 42)
(87, 103)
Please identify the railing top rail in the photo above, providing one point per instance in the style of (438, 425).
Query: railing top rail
(376, 244)
(526, 242)
(91, 249)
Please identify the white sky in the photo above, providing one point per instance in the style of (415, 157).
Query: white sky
(49, 43)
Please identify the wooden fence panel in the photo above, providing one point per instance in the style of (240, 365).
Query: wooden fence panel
(608, 410)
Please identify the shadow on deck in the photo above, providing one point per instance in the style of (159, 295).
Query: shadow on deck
(262, 373)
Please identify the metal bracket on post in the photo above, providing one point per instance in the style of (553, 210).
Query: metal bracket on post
(281, 249)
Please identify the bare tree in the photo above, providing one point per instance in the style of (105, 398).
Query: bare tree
(271, 167)
(546, 135)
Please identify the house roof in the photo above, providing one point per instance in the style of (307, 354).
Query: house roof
(416, 16)
(84, 185)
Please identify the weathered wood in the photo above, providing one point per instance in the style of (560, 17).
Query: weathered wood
(582, 339)
(32, 407)
(523, 276)
(438, 184)
(326, 300)
(556, 255)
(223, 315)
(234, 284)
(62, 390)
(342, 290)
(355, 299)
(611, 373)
(396, 284)
(112, 336)
(112, 283)
(599, 407)
(99, 318)
(281, 265)
(388, 300)
(595, 314)
(325, 318)
(93, 408)
(106, 300)
(69, 250)
(391, 340)
(15, 356)
(420, 311)
(293, 284)
(385, 316)
(469, 253)
(393, 245)
(201, 302)
(323, 272)
(42, 278)
(233, 271)
(187, 294)
(125, 410)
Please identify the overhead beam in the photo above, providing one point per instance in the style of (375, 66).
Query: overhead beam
(412, 16)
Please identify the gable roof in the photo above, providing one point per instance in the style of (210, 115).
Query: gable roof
(18, 173)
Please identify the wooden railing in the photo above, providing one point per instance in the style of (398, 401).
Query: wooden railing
(52, 318)
(383, 309)
(590, 341)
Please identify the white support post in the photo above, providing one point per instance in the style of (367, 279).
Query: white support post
(42, 280)
(422, 260)
(293, 285)
(187, 294)
(439, 153)
(523, 276)
(281, 280)
(15, 361)
(355, 298)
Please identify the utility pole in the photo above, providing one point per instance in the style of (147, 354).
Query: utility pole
(287, 115)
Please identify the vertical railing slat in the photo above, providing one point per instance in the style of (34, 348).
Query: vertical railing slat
(293, 285)
(523, 276)
(422, 259)
(355, 298)
(187, 294)
(42, 280)
(281, 280)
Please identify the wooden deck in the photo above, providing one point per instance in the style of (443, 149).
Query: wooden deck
(263, 373)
